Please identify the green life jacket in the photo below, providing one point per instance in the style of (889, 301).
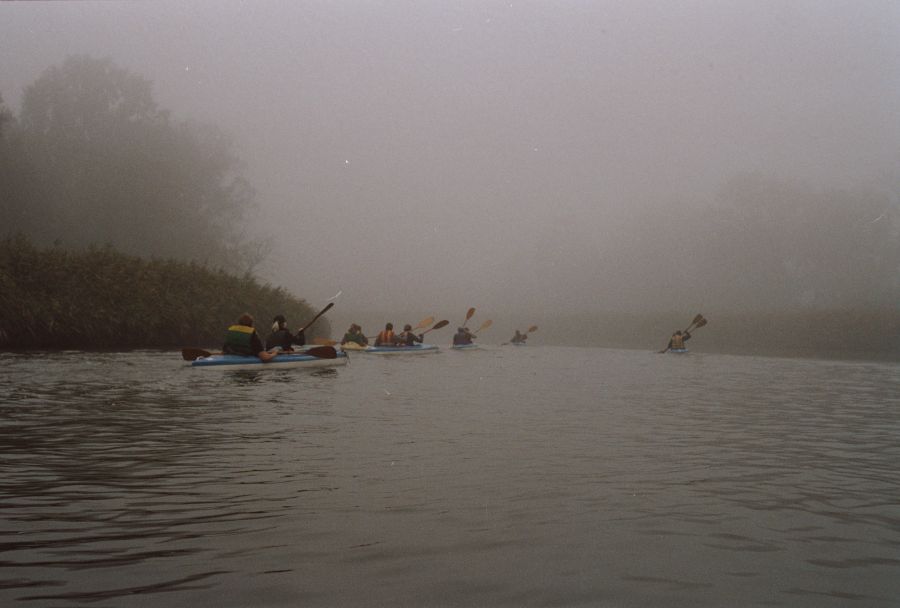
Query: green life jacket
(238, 340)
(353, 337)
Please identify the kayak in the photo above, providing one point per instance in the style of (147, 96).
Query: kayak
(472, 346)
(517, 343)
(418, 349)
(678, 351)
(353, 346)
(282, 361)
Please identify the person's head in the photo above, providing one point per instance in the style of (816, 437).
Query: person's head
(354, 328)
(389, 327)
(677, 332)
(246, 319)
(460, 330)
(279, 322)
(407, 327)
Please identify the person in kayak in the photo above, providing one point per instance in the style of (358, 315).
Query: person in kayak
(408, 338)
(386, 337)
(355, 335)
(281, 337)
(519, 338)
(242, 339)
(462, 336)
(678, 339)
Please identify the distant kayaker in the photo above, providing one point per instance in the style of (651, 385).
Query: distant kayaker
(408, 338)
(519, 338)
(386, 337)
(242, 339)
(282, 337)
(462, 336)
(355, 335)
(678, 339)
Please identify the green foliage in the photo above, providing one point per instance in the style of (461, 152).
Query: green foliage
(98, 163)
(100, 298)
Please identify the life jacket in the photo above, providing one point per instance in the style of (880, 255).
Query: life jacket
(238, 340)
(385, 337)
(677, 341)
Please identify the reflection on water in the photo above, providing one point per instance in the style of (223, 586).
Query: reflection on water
(507, 476)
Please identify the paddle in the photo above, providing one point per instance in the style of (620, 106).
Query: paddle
(469, 315)
(437, 325)
(424, 323)
(697, 323)
(315, 318)
(484, 325)
(189, 354)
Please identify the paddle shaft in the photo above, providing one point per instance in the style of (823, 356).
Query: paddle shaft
(315, 318)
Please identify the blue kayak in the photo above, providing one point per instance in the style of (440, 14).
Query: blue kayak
(282, 361)
(678, 351)
(472, 346)
(417, 349)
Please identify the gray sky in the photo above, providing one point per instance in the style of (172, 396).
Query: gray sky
(439, 155)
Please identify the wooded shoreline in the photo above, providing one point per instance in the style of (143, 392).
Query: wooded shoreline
(98, 298)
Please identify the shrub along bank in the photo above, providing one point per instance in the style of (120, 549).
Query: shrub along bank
(101, 299)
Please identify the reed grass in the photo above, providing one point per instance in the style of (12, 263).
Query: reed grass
(98, 298)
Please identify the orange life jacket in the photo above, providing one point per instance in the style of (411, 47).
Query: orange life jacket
(385, 337)
(677, 341)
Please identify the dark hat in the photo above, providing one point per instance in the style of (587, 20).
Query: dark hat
(280, 318)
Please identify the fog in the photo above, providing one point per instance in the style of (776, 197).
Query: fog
(532, 158)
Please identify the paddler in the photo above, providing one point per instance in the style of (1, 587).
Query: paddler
(242, 339)
(678, 339)
(462, 336)
(519, 338)
(282, 338)
(355, 335)
(408, 338)
(386, 337)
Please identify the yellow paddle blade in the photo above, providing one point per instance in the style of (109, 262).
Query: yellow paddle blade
(531, 329)
(470, 313)
(484, 325)
(424, 323)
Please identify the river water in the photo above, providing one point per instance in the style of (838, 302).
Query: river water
(535, 476)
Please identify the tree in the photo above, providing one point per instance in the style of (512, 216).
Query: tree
(16, 176)
(116, 169)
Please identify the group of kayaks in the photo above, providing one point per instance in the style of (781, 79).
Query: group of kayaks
(316, 356)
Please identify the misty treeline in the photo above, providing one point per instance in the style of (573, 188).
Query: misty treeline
(769, 245)
(99, 298)
(91, 159)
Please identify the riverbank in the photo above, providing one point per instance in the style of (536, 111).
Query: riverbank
(99, 298)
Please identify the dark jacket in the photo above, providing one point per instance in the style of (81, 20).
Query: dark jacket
(408, 338)
(285, 339)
